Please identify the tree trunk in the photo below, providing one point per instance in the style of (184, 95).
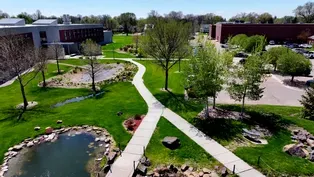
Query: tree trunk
(214, 102)
(179, 65)
(292, 78)
(44, 78)
(93, 79)
(206, 109)
(25, 103)
(275, 67)
(166, 79)
(58, 66)
(242, 108)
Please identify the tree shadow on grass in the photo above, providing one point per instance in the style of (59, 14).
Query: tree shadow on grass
(13, 114)
(175, 101)
(271, 121)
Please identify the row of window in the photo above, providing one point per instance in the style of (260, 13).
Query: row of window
(79, 34)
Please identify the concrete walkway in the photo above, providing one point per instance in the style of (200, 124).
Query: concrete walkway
(124, 165)
(220, 153)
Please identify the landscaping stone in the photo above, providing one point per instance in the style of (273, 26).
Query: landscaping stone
(142, 169)
(184, 167)
(224, 171)
(48, 130)
(206, 175)
(171, 142)
(213, 174)
(311, 158)
(200, 174)
(18, 147)
(119, 113)
(59, 121)
(111, 157)
(36, 128)
(30, 144)
(206, 171)
(295, 150)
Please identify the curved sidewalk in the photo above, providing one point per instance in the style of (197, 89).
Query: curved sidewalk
(124, 165)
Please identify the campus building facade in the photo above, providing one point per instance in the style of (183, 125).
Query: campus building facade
(47, 32)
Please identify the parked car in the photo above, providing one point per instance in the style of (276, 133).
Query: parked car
(241, 54)
(305, 45)
(309, 83)
(272, 42)
(224, 46)
(309, 54)
(73, 55)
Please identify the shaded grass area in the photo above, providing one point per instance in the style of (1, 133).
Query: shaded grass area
(100, 111)
(274, 118)
(188, 153)
(110, 50)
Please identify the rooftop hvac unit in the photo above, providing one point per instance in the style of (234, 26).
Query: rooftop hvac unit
(66, 19)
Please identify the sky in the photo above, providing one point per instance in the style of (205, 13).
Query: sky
(225, 8)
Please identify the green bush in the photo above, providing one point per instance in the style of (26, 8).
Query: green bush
(255, 43)
(125, 48)
(131, 50)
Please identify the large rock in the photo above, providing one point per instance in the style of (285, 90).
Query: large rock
(18, 147)
(37, 128)
(171, 142)
(184, 167)
(48, 130)
(206, 171)
(310, 143)
(295, 150)
(311, 158)
(111, 157)
(30, 144)
(141, 169)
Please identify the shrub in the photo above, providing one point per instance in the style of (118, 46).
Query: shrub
(131, 50)
(125, 48)
(118, 62)
(130, 124)
(121, 48)
(308, 103)
(137, 117)
(81, 58)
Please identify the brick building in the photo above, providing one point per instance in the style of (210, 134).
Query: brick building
(276, 32)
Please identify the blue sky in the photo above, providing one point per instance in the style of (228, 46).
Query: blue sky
(226, 8)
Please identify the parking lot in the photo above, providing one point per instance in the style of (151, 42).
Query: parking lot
(275, 92)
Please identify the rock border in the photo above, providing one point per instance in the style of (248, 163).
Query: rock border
(100, 134)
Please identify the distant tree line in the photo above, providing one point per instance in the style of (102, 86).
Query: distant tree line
(128, 22)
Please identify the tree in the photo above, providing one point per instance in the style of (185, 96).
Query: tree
(91, 49)
(239, 40)
(42, 56)
(56, 52)
(266, 18)
(286, 19)
(305, 12)
(127, 20)
(173, 15)
(304, 35)
(273, 54)
(28, 19)
(152, 17)
(164, 41)
(294, 64)
(244, 17)
(4, 15)
(17, 55)
(255, 43)
(206, 73)
(136, 40)
(308, 103)
(246, 80)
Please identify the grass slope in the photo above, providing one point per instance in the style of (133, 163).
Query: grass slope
(224, 131)
(99, 111)
(189, 152)
(110, 50)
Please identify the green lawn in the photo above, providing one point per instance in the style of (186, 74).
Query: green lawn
(224, 131)
(100, 111)
(118, 42)
(188, 153)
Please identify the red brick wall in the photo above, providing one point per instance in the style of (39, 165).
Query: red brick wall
(276, 32)
(212, 31)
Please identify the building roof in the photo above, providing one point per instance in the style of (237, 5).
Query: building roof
(12, 21)
(46, 22)
(311, 37)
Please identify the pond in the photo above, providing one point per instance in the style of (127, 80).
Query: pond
(68, 156)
